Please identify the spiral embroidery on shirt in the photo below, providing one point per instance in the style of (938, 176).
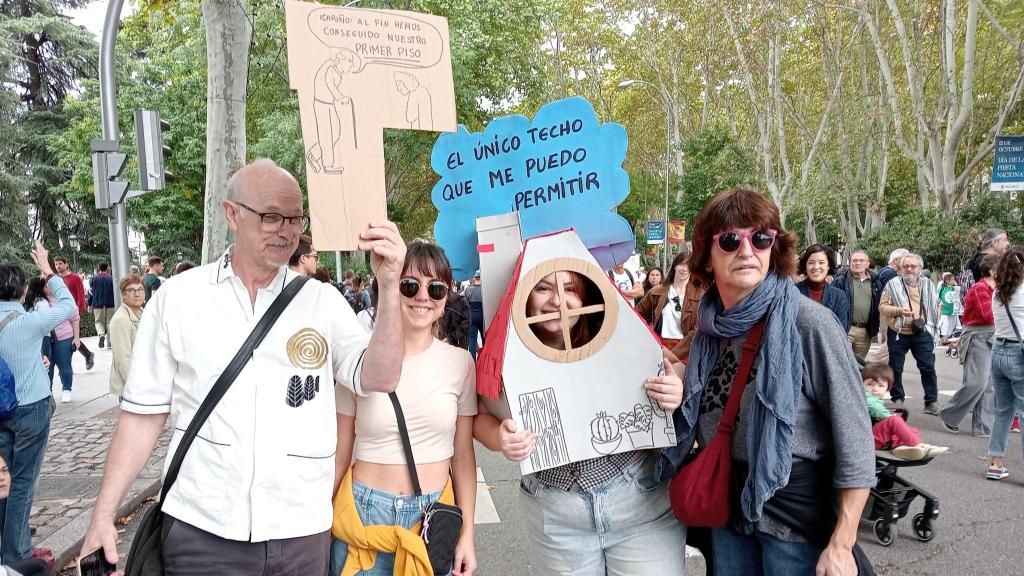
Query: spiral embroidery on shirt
(307, 349)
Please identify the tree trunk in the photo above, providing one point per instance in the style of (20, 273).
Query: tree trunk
(228, 32)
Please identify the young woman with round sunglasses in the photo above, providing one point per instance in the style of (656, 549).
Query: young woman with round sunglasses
(437, 392)
(602, 516)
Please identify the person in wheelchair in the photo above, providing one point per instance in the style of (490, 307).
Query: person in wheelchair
(890, 430)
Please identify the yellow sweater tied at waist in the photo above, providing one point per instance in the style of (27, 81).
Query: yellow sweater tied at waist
(364, 542)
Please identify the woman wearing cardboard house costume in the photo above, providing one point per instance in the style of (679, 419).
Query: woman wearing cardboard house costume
(802, 426)
(607, 515)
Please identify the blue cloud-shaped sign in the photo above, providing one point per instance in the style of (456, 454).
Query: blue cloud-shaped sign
(563, 170)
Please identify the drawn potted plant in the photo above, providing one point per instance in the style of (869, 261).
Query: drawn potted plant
(605, 434)
(639, 425)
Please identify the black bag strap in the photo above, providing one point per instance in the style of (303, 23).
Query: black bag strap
(220, 387)
(1014, 325)
(406, 443)
(910, 301)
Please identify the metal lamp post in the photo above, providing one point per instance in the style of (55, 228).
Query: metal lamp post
(668, 155)
(75, 246)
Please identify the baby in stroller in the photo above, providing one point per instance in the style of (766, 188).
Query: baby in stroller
(891, 430)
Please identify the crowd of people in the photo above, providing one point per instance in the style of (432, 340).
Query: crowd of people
(791, 340)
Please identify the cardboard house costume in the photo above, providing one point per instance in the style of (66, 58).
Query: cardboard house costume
(582, 402)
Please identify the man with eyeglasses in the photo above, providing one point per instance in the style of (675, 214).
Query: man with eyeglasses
(255, 490)
(909, 303)
(304, 260)
(858, 283)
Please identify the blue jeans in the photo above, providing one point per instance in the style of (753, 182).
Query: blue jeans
(625, 527)
(922, 346)
(60, 358)
(22, 444)
(761, 555)
(1008, 384)
(379, 508)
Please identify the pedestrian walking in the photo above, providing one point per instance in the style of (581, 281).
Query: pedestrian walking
(475, 296)
(23, 436)
(858, 282)
(975, 395)
(802, 442)
(437, 396)
(887, 273)
(1007, 357)
(60, 345)
(817, 264)
(653, 278)
(909, 303)
(102, 288)
(671, 307)
(77, 287)
(254, 492)
(152, 279)
(949, 300)
(123, 327)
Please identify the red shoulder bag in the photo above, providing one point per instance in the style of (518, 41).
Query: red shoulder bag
(700, 491)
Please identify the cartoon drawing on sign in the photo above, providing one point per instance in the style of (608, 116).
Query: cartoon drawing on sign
(605, 434)
(418, 110)
(358, 72)
(334, 112)
(539, 411)
(639, 426)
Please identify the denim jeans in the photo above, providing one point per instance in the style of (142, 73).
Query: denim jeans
(60, 358)
(379, 508)
(22, 444)
(476, 327)
(761, 555)
(922, 346)
(1008, 384)
(625, 527)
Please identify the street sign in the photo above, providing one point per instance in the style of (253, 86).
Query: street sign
(656, 232)
(1008, 164)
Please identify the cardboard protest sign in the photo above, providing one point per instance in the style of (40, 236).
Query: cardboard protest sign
(358, 72)
(563, 169)
(587, 399)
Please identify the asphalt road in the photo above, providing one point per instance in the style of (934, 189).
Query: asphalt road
(978, 530)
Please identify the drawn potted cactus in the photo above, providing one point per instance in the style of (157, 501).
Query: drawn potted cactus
(639, 425)
(605, 434)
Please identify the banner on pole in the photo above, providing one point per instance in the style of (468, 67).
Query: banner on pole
(677, 232)
(1008, 164)
(656, 232)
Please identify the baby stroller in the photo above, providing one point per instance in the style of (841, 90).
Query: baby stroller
(891, 497)
(952, 345)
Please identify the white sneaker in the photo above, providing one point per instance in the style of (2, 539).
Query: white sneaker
(65, 397)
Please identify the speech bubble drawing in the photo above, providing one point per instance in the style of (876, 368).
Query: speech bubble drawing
(563, 170)
(379, 37)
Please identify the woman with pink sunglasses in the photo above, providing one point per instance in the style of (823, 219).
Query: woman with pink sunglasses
(802, 440)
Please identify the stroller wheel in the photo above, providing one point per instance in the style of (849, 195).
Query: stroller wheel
(885, 532)
(923, 528)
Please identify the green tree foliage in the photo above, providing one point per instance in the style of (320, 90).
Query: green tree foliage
(43, 56)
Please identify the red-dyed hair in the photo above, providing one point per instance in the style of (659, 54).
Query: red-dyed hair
(740, 208)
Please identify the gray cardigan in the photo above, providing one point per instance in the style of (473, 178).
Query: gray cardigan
(832, 418)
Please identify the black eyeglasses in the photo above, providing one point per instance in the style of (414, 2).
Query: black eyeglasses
(410, 287)
(675, 299)
(760, 240)
(273, 221)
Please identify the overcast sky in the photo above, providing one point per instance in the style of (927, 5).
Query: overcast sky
(92, 16)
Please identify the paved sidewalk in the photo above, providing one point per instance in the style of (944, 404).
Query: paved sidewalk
(73, 467)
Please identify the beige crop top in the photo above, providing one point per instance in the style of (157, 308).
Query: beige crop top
(437, 385)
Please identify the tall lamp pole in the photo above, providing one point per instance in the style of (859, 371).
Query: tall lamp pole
(668, 154)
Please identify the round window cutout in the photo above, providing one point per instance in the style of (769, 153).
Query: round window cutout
(565, 309)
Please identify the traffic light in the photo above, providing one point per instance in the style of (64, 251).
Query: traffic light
(107, 164)
(149, 141)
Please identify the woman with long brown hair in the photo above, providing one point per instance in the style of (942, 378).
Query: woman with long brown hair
(1007, 356)
(671, 307)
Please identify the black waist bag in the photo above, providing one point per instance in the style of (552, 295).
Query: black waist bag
(442, 523)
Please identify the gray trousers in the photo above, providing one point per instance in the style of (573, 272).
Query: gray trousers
(189, 551)
(976, 393)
